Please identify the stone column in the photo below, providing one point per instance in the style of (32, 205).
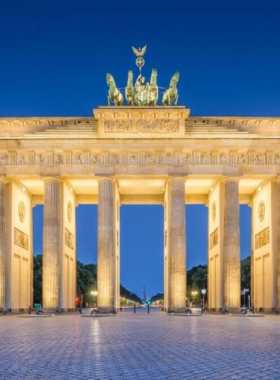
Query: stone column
(177, 245)
(231, 245)
(51, 243)
(106, 258)
(3, 247)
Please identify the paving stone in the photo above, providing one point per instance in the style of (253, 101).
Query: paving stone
(140, 346)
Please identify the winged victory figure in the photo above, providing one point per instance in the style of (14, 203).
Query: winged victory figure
(140, 62)
(139, 52)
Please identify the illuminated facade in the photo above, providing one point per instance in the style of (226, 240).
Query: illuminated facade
(139, 155)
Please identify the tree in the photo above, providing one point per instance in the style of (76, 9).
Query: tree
(246, 273)
(86, 282)
(196, 280)
(37, 278)
(157, 297)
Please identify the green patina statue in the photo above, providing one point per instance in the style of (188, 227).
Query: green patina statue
(171, 94)
(114, 94)
(142, 93)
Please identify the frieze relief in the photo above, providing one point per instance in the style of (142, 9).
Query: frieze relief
(214, 238)
(4, 159)
(21, 239)
(141, 126)
(262, 238)
(41, 159)
(139, 158)
(133, 159)
(69, 239)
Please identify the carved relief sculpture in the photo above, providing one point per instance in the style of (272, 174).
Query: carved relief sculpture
(214, 238)
(21, 239)
(21, 211)
(69, 211)
(69, 239)
(262, 238)
(261, 211)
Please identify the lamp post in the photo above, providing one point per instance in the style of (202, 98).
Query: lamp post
(203, 291)
(94, 294)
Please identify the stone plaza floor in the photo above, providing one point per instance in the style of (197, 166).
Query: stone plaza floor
(140, 346)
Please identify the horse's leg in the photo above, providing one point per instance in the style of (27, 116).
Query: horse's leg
(176, 100)
(108, 100)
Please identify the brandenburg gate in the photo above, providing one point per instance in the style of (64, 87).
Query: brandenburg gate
(139, 153)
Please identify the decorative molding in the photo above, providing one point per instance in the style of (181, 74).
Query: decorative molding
(214, 211)
(21, 211)
(69, 211)
(262, 238)
(261, 211)
(153, 157)
(214, 238)
(21, 239)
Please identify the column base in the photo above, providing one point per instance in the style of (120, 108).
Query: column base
(105, 310)
(176, 310)
(231, 310)
(51, 310)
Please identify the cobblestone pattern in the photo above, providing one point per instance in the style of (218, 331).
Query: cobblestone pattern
(140, 346)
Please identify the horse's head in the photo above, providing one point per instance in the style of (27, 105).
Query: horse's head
(154, 76)
(175, 79)
(109, 79)
(130, 77)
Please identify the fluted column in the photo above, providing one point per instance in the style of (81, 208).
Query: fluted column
(106, 258)
(231, 245)
(3, 236)
(177, 244)
(51, 243)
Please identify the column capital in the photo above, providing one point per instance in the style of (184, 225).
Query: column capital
(52, 179)
(106, 179)
(176, 178)
(277, 179)
(230, 179)
(4, 180)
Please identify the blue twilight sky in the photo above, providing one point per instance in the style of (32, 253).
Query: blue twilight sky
(54, 56)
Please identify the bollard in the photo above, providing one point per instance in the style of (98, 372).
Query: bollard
(148, 309)
(29, 310)
(134, 309)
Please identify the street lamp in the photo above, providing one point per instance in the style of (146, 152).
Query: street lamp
(94, 294)
(203, 291)
(194, 294)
